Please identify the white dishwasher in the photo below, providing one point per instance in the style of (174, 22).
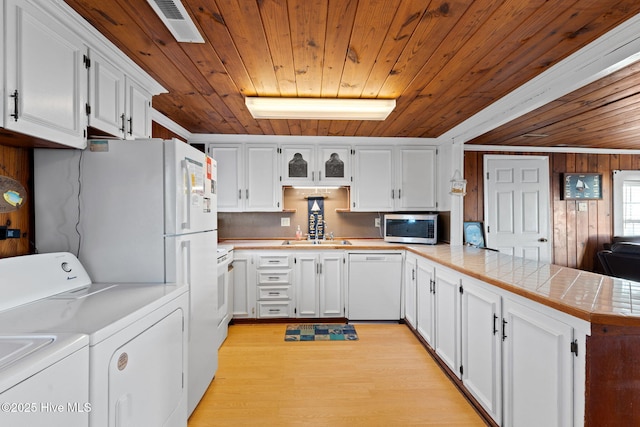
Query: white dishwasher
(374, 286)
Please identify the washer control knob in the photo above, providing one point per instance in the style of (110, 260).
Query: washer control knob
(66, 267)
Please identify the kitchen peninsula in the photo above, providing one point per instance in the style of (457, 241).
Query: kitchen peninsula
(585, 329)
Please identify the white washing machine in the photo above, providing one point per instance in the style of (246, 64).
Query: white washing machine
(137, 339)
(44, 380)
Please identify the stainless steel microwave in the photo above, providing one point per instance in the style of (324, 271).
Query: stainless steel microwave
(407, 228)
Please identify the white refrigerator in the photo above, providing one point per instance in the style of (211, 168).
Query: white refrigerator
(138, 211)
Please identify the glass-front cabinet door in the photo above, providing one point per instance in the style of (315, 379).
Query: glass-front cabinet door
(316, 165)
(298, 164)
(334, 165)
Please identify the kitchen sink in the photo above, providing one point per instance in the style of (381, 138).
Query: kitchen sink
(316, 243)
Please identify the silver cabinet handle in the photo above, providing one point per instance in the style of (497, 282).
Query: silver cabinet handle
(239, 194)
(399, 192)
(319, 176)
(246, 193)
(393, 194)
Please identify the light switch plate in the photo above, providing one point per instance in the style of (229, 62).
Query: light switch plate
(582, 206)
(377, 222)
(285, 222)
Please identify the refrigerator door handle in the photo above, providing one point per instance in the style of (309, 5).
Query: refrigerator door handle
(187, 217)
(185, 252)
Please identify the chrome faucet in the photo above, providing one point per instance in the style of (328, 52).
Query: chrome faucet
(324, 227)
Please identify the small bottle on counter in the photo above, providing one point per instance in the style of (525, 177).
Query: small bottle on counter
(298, 233)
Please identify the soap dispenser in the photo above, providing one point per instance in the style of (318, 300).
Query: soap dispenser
(298, 233)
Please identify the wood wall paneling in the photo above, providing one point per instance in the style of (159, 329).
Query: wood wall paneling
(613, 373)
(16, 163)
(577, 234)
(159, 131)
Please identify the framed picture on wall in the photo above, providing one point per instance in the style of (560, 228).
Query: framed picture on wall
(581, 186)
(473, 232)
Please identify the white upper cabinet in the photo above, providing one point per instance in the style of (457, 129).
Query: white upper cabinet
(106, 95)
(117, 104)
(248, 178)
(230, 176)
(262, 191)
(62, 75)
(45, 80)
(137, 110)
(389, 179)
(415, 179)
(373, 179)
(315, 165)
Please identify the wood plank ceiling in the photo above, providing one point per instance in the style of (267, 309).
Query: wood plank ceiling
(442, 60)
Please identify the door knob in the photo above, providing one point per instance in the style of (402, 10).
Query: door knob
(542, 239)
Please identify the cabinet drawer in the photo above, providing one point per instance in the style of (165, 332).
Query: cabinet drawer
(274, 277)
(273, 260)
(274, 309)
(266, 293)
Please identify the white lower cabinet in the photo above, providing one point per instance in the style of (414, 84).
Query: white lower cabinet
(537, 368)
(523, 362)
(244, 285)
(410, 292)
(275, 294)
(481, 345)
(425, 280)
(319, 284)
(332, 284)
(447, 318)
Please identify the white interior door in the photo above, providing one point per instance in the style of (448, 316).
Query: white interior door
(516, 205)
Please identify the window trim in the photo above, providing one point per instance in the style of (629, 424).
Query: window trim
(619, 177)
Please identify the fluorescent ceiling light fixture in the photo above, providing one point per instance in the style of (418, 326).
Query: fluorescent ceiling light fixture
(177, 20)
(320, 108)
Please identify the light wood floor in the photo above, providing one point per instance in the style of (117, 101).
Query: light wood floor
(386, 378)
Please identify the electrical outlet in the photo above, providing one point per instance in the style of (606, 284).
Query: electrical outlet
(377, 222)
(285, 222)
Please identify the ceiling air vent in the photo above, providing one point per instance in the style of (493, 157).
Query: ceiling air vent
(177, 20)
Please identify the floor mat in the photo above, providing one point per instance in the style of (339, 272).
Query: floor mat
(320, 332)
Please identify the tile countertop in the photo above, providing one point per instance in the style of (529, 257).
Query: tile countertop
(593, 297)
